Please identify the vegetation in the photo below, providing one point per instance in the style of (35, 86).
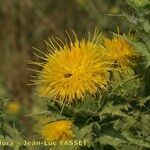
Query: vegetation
(82, 92)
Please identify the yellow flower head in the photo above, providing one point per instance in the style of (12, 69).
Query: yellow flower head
(82, 2)
(120, 51)
(74, 69)
(58, 130)
(13, 107)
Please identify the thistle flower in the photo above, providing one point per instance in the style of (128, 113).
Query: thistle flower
(58, 130)
(13, 107)
(73, 69)
(120, 51)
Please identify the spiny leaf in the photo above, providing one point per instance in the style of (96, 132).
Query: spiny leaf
(135, 140)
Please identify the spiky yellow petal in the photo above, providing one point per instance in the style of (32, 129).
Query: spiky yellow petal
(73, 70)
(13, 107)
(58, 130)
(120, 51)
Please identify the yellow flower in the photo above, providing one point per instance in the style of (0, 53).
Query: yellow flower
(120, 51)
(73, 70)
(13, 107)
(115, 9)
(82, 2)
(58, 130)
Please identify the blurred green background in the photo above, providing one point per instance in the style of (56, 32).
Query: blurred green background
(27, 23)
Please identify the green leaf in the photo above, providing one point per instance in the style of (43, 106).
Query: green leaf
(135, 140)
